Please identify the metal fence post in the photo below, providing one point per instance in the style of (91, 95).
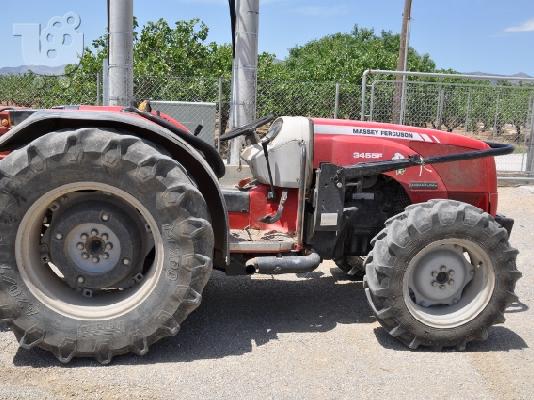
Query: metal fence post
(221, 128)
(372, 103)
(530, 149)
(364, 88)
(336, 101)
(403, 100)
(439, 112)
(468, 110)
(496, 113)
(98, 96)
(105, 82)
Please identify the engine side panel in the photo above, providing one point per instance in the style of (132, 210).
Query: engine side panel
(350, 142)
(421, 183)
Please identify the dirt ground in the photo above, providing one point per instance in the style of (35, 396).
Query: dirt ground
(293, 337)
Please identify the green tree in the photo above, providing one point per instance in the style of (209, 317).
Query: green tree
(342, 57)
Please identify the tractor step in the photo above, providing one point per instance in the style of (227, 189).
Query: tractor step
(257, 241)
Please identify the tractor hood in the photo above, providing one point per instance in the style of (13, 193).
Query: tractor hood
(394, 132)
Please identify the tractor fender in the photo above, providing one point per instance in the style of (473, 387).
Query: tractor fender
(46, 121)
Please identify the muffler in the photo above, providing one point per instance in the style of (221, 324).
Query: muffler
(273, 265)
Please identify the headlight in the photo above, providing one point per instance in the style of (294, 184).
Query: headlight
(275, 129)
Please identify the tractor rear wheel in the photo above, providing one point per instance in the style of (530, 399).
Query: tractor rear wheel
(440, 274)
(106, 244)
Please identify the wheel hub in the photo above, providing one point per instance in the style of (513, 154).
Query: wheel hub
(95, 244)
(95, 248)
(441, 277)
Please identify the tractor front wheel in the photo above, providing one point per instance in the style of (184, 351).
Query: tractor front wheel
(440, 274)
(106, 244)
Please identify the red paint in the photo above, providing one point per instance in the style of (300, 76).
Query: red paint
(120, 108)
(260, 207)
(472, 181)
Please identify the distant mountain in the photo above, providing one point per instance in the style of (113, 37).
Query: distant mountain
(518, 75)
(36, 69)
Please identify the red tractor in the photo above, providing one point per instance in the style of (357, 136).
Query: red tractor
(112, 219)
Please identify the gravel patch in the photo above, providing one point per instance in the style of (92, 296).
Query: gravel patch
(309, 336)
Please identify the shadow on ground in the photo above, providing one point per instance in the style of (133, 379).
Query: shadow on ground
(239, 312)
(499, 339)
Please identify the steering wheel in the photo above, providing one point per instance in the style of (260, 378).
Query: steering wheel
(247, 129)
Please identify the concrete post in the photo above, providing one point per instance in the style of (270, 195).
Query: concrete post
(120, 28)
(244, 74)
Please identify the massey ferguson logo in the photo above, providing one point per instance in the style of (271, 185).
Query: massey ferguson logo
(380, 132)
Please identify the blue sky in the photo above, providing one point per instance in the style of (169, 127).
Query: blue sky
(474, 35)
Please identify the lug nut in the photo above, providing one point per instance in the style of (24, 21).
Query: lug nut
(105, 217)
(434, 274)
(105, 255)
(59, 236)
(126, 261)
(339, 185)
(442, 286)
(451, 282)
(84, 236)
(94, 232)
(81, 279)
(434, 283)
(95, 259)
(451, 272)
(85, 255)
(79, 246)
(109, 246)
(443, 268)
(105, 236)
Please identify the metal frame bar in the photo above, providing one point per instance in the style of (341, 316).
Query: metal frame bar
(301, 194)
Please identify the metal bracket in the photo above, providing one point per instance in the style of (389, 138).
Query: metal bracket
(271, 219)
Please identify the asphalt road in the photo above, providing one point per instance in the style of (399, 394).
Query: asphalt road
(298, 337)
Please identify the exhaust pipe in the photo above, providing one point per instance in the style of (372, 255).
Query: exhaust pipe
(273, 265)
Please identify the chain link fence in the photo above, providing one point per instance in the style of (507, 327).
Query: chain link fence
(483, 110)
(38, 91)
(282, 97)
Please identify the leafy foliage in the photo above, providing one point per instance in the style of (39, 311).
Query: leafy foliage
(342, 57)
(178, 62)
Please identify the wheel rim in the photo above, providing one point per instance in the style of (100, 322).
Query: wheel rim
(52, 288)
(449, 283)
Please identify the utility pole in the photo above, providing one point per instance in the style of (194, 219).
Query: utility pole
(245, 68)
(120, 29)
(402, 64)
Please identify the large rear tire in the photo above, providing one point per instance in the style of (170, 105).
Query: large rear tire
(440, 274)
(76, 197)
